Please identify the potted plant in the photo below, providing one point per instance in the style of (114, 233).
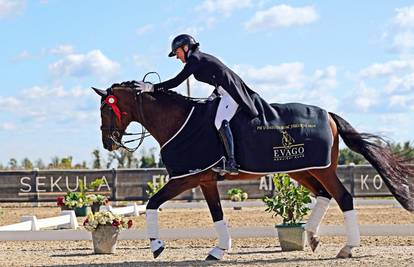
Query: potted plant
(75, 201)
(154, 187)
(289, 201)
(237, 195)
(95, 201)
(105, 227)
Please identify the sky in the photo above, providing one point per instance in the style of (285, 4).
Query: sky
(354, 58)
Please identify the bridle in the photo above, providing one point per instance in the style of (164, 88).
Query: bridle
(116, 133)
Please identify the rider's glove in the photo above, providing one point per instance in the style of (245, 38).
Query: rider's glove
(145, 87)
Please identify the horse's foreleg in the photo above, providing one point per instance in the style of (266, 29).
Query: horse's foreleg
(170, 190)
(211, 194)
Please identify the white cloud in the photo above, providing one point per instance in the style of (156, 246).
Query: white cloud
(325, 79)
(365, 97)
(400, 84)
(403, 41)
(10, 103)
(39, 92)
(11, 8)
(404, 17)
(64, 107)
(283, 76)
(281, 16)
(7, 126)
(225, 7)
(144, 29)
(24, 55)
(79, 65)
(385, 69)
(62, 49)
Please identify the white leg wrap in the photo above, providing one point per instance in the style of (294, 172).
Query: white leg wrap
(156, 244)
(152, 223)
(217, 253)
(317, 214)
(352, 228)
(223, 235)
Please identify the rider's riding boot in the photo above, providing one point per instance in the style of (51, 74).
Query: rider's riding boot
(230, 165)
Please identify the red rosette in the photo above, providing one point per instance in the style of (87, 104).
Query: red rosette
(111, 100)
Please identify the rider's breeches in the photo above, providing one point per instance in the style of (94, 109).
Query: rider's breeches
(226, 108)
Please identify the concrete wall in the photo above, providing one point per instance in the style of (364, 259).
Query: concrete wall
(131, 184)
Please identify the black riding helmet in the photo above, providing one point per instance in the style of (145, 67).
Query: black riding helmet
(180, 40)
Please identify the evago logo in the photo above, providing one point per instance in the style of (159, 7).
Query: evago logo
(289, 150)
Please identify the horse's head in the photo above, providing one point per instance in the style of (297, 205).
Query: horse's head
(117, 106)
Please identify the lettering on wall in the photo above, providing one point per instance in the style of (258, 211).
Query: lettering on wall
(57, 184)
(370, 183)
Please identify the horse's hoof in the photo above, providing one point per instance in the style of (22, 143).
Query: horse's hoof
(211, 258)
(158, 252)
(345, 253)
(314, 242)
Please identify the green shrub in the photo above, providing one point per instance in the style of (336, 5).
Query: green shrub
(288, 201)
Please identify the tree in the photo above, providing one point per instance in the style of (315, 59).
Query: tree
(148, 160)
(39, 164)
(27, 164)
(405, 150)
(13, 164)
(124, 158)
(55, 163)
(96, 159)
(347, 156)
(66, 163)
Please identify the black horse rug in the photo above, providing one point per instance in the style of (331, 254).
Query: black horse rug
(283, 138)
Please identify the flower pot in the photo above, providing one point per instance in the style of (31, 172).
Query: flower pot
(104, 239)
(83, 211)
(95, 207)
(291, 236)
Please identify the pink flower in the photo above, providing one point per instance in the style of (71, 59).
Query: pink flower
(115, 223)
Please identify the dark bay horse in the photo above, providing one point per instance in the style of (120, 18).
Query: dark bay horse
(163, 113)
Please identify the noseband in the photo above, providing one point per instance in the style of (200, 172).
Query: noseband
(116, 133)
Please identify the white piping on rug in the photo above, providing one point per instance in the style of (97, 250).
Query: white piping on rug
(192, 173)
(297, 170)
(182, 127)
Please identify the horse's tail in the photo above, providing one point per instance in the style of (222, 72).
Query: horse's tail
(376, 151)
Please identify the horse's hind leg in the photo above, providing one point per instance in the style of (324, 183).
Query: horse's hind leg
(170, 190)
(328, 178)
(318, 211)
(211, 194)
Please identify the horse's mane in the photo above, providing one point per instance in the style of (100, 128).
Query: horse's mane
(159, 95)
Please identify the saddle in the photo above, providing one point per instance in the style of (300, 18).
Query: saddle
(283, 138)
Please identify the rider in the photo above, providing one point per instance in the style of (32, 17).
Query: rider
(207, 68)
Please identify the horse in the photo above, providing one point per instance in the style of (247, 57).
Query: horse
(162, 113)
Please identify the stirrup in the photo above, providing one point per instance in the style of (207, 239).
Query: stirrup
(225, 169)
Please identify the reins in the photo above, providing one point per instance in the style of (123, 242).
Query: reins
(117, 133)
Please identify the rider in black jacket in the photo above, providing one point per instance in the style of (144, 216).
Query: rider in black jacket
(207, 68)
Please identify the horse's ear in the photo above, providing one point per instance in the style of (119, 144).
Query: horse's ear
(100, 92)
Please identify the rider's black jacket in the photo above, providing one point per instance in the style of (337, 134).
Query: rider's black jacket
(207, 68)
